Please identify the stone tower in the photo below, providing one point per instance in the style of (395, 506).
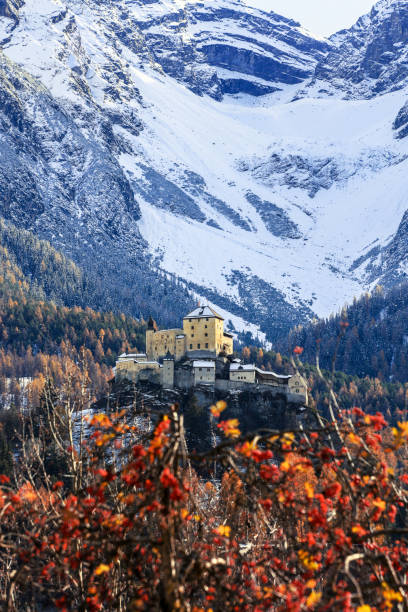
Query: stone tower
(151, 330)
(168, 372)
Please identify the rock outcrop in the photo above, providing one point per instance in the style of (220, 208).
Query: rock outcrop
(223, 47)
(254, 409)
(371, 57)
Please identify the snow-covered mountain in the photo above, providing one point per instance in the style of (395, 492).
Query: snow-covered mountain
(263, 167)
(371, 57)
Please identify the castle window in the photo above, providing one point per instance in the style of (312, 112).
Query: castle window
(206, 319)
(191, 346)
(206, 335)
(190, 320)
(192, 335)
(198, 345)
(192, 327)
(206, 326)
(206, 346)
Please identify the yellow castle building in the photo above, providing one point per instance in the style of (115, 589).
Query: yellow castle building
(200, 354)
(202, 335)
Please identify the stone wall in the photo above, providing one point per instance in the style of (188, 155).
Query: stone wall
(168, 374)
(138, 372)
(159, 343)
(245, 376)
(292, 397)
(207, 334)
(183, 378)
(204, 376)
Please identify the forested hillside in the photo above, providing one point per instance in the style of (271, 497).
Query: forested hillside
(32, 326)
(388, 397)
(44, 303)
(33, 267)
(46, 325)
(368, 338)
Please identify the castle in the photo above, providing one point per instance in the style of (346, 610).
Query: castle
(200, 354)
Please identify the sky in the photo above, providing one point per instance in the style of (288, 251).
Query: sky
(322, 17)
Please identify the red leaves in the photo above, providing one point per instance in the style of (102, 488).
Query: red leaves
(326, 454)
(45, 572)
(341, 540)
(102, 473)
(250, 450)
(392, 513)
(169, 481)
(131, 477)
(138, 451)
(61, 603)
(159, 439)
(332, 490)
(267, 504)
(269, 472)
(293, 525)
(149, 486)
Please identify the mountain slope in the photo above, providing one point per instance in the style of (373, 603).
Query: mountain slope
(181, 150)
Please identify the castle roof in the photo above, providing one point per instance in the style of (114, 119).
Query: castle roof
(129, 356)
(152, 324)
(238, 367)
(265, 374)
(204, 312)
(203, 364)
(235, 367)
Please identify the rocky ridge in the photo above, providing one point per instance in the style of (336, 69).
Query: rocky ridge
(370, 58)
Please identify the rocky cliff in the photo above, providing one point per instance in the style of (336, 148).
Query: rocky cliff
(222, 47)
(371, 57)
(253, 408)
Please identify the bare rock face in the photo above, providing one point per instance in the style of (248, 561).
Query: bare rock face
(371, 57)
(400, 124)
(46, 160)
(389, 264)
(255, 409)
(9, 8)
(222, 47)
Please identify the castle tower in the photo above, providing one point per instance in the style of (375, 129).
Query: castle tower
(168, 372)
(151, 330)
(204, 331)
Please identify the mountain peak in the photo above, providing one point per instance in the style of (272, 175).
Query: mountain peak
(371, 57)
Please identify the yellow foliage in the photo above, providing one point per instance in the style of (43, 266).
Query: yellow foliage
(313, 599)
(102, 569)
(223, 530)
